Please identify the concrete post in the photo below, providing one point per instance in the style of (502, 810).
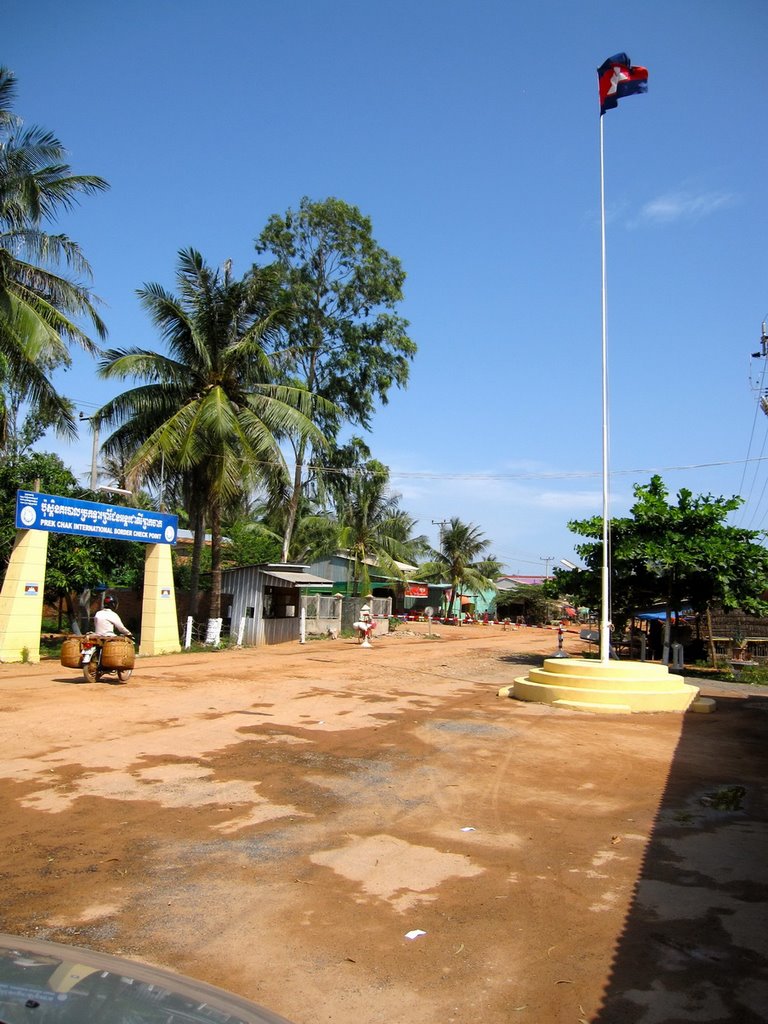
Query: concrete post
(21, 599)
(159, 626)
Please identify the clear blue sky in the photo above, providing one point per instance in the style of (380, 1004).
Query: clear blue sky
(469, 133)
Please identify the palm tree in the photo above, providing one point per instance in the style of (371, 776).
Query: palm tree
(208, 409)
(39, 305)
(373, 526)
(459, 561)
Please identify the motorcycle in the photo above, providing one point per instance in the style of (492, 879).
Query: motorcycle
(99, 655)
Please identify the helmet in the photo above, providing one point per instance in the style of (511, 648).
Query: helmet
(110, 602)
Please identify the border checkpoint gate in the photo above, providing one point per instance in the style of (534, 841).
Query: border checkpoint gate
(21, 598)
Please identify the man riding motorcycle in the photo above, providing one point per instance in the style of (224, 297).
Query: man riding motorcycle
(106, 621)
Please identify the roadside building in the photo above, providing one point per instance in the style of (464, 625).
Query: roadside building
(266, 601)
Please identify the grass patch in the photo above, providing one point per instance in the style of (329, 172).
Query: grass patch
(683, 818)
(755, 675)
(50, 646)
(726, 798)
(721, 673)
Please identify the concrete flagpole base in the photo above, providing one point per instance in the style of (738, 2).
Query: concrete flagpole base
(614, 686)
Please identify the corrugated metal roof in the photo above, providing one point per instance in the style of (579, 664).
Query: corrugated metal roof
(299, 579)
(511, 582)
(404, 566)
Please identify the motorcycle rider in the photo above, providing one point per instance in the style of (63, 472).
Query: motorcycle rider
(106, 621)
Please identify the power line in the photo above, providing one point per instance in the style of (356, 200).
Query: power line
(570, 474)
(585, 474)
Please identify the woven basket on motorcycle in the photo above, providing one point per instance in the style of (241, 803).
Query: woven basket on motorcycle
(118, 652)
(70, 651)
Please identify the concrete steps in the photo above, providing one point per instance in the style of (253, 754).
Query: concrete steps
(607, 687)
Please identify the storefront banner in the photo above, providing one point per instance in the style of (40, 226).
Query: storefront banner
(57, 514)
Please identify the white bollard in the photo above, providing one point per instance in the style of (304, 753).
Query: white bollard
(213, 632)
(303, 626)
(188, 633)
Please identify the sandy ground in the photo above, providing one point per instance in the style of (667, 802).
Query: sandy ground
(277, 821)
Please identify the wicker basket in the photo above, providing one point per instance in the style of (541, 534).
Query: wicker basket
(118, 653)
(70, 652)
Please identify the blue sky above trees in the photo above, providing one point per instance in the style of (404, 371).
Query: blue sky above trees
(469, 134)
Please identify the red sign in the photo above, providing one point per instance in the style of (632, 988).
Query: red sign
(417, 590)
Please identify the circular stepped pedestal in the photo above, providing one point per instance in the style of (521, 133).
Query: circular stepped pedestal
(614, 686)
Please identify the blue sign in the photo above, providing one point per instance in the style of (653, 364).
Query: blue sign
(91, 519)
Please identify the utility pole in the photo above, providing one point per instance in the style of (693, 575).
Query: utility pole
(546, 559)
(762, 355)
(94, 481)
(94, 452)
(440, 523)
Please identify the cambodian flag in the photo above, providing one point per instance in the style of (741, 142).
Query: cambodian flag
(617, 78)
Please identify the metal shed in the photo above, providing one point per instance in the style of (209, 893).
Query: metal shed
(266, 601)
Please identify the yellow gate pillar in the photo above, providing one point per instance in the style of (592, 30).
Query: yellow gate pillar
(159, 625)
(21, 599)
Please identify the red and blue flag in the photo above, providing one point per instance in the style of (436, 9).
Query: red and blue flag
(617, 78)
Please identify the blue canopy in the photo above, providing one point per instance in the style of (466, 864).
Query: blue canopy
(662, 614)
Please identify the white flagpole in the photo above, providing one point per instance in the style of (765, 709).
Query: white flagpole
(605, 616)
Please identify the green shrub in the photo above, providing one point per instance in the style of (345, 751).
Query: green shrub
(755, 675)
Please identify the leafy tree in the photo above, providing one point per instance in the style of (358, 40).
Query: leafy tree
(251, 543)
(21, 427)
(209, 409)
(679, 553)
(74, 563)
(40, 305)
(316, 532)
(532, 597)
(24, 473)
(459, 561)
(345, 342)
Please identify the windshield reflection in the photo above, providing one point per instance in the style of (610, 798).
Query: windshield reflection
(47, 983)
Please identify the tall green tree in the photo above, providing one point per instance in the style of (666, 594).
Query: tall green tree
(208, 408)
(678, 553)
(461, 561)
(40, 302)
(22, 426)
(374, 529)
(74, 564)
(534, 600)
(346, 342)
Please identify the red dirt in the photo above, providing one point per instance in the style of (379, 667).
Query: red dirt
(276, 821)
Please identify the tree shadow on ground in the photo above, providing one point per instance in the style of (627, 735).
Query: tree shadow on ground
(694, 945)
(536, 660)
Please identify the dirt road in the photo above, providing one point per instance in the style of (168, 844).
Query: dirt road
(278, 821)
